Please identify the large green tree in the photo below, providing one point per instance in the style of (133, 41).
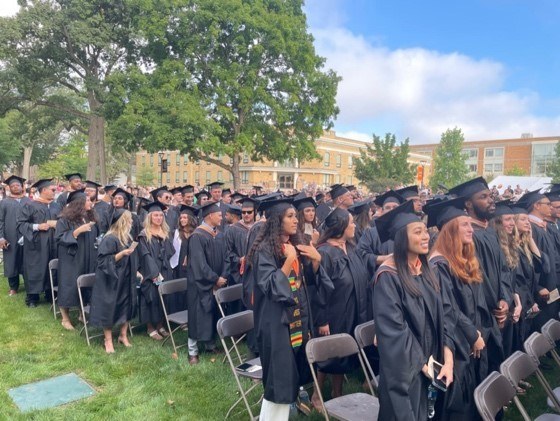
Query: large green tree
(450, 166)
(232, 77)
(384, 163)
(71, 46)
(553, 169)
(69, 158)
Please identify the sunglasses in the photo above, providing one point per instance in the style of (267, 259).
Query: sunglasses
(246, 212)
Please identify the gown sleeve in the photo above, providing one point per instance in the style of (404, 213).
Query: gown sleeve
(400, 352)
(106, 263)
(320, 306)
(64, 233)
(24, 226)
(203, 274)
(366, 249)
(270, 279)
(148, 266)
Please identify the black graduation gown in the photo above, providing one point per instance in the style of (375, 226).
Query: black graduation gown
(409, 329)
(370, 247)
(205, 264)
(236, 247)
(62, 199)
(346, 305)
(470, 314)
(284, 368)
(13, 255)
(172, 219)
(39, 247)
(154, 258)
(101, 210)
(322, 211)
(76, 256)
(113, 296)
(136, 222)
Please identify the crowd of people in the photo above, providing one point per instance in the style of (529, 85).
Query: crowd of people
(459, 279)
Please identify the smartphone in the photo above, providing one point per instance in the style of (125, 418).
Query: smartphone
(244, 367)
(439, 383)
(133, 245)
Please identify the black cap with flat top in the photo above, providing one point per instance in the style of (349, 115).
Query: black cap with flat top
(391, 222)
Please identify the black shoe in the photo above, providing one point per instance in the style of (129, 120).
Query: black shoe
(32, 304)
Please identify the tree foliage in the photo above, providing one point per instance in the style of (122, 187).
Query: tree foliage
(516, 171)
(384, 163)
(71, 157)
(450, 168)
(553, 169)
(231, 77)
(145, 176)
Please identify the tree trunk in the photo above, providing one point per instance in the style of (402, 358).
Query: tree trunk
(27, 152)
(235, 172)
(96, 142)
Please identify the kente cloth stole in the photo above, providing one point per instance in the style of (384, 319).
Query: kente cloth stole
(294, 314)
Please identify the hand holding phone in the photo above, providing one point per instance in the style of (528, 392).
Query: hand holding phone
(133, 245)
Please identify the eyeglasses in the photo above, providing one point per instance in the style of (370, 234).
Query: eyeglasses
(545, 203)
(246, 212)
(167, 197)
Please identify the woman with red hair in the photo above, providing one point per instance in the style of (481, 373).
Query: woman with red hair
(454, 260)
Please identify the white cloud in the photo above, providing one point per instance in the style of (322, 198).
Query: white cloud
(425, 92)
(8, 7)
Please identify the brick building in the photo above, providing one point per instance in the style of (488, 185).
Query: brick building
(335, 166)
(529, 154)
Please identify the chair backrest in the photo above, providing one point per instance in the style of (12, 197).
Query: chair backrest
(492, 395)
(53, 264)
(518, 367)
(86, 281)
(551, 330)
(173, 286)
(537, 345)
(333, 346)
(236, 324)
(365, 333)
(229, 294)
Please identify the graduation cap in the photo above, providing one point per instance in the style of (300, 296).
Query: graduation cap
(117, 213)
(518, 210)
(359, 207)
(391, 222)
(109, 187)
(176, 190)
(274, 207)
(236, 210)
(201, 193)
(529, 199)
(247, 202)
(226, 191)
(74, 195)
(337, 190)
(238, 197)
(92, 184)
(41, 184)
(187, 189)
(73, 176)
(208, 208)
(155, 192)
(189, 210)
(335, 216)
(123, 193)
(351, 187)
(14, 179)
(257, 188)
(442, 211)
(503, 207)
(319, 196)
(154, 207)
(304, 202)
(390, 196)
(469, 188)
(215, 185)
(408, 192)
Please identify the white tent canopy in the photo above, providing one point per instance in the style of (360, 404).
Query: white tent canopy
(526, 183)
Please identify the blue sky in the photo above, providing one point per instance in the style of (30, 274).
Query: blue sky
(414, 68)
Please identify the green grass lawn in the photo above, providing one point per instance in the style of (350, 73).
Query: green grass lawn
(143, 382)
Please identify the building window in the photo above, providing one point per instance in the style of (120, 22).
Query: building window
(338, 161)
(177, 176)
(220, 178)
(197, 177)
(495, 168)
(327, 179)
(542, 156)
(178, 159)
(327, 159)
(185, 176)
(493, 152)
(337, 179)
(244, 177)
(245, 158)
(350, 161)
(286, 181)
(168, 178)
(473, 168)
(185, 159)
(207, 177)
(151, 160)
(349, 180)
(493, 161)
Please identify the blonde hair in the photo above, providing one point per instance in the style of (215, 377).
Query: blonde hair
(508, 242)
(523, 241)
(148, 227)
(121, 229)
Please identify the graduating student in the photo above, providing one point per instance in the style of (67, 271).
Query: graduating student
(113, 295)
(177, 193)
(279, 270)
(205, 273)
(164, 196)
(187, 224)
(154, 254)
(202, 197)
(100, 207)
(363, 215)
(411, 193)
(498, 291)
(347, 305)
(236, 241)
(76, 234)
(36, 221)
(456, 265)
(373, 251)
(409, 319)
(74, 183)
(9, 238)
(123, 200)
(307, 220)
(226, 196)
(188, 195)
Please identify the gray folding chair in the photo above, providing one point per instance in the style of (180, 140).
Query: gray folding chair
(354, 406)
(493, 394)
(551, 330)
(537, 345)
(365, 334)
(53, 267)
(228, 295)
(86, 281)
(180, 318)
(519, 366)
(229, 327)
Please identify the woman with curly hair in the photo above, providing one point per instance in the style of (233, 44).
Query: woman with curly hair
(454, 260)
(279, 270)
(186, 226)
(114, 292)
(75, 234)
(307, 219)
